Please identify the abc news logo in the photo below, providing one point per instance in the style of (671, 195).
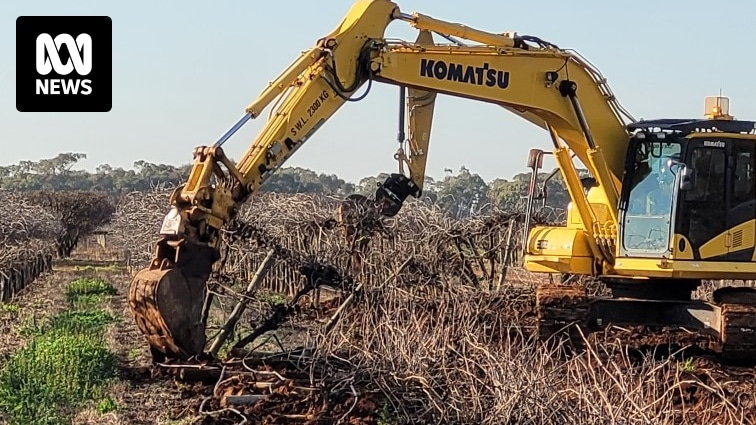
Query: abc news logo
(64, 64)
(48, 59)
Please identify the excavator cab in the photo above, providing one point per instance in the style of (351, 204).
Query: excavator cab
(647, 222)
(689, 190)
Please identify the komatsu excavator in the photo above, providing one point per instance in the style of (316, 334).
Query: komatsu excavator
(673, 200)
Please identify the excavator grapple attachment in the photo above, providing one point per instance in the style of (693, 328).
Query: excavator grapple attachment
(167, 303)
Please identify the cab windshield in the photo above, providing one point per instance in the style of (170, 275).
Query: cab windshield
(648, 221)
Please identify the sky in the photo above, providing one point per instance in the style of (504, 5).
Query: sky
(184, 71)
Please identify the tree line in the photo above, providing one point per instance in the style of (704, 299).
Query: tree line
(461, 193)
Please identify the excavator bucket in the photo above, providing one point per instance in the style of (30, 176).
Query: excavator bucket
(167, 306)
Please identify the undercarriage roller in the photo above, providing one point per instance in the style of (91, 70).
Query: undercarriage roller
(167, 307)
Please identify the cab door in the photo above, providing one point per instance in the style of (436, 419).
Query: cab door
(702, 212)
(741, 205)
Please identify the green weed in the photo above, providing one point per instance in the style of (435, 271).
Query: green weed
(56, 369)
(106, 405)
(87, 301)
(385, 415)
(9, 308)
(65, 364)
(82, 321)
(88, 286)
(687, 365)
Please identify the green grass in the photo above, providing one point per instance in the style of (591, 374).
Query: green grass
(88, 292)
(88, 286)
(687, 365)
(87, 302)
(9, 308)
(272, 299)
(81, 321)
(107, 405)
(96, 269)
(65, 364)
(385, 415)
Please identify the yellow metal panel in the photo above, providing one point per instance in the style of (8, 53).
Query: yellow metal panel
(601, 211)
(573, 265)
(610, 191)
(558, 250)
(686, 253)
(573, 217)
(558, 242)
(737, 238)
(684, 268)
(743, 236)
(715, 247)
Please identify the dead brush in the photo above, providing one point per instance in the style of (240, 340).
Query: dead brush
(468, 356)
(432, 333)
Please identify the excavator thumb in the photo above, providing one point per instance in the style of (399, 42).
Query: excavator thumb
(167, 298)
(391, 194)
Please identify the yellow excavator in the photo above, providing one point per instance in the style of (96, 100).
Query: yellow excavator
(672, 201)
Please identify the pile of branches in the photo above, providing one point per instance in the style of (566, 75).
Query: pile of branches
(437, 246)
(402, 356)
(469, 356)
(423, 339)
(305, 224)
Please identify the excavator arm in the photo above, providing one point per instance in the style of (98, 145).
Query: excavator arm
(553, 88)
